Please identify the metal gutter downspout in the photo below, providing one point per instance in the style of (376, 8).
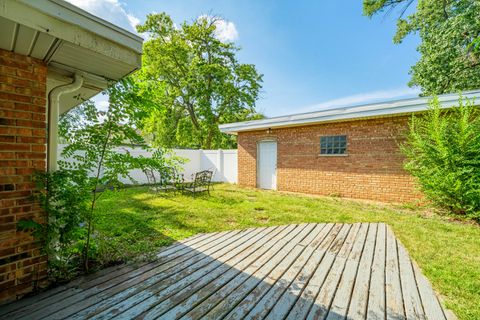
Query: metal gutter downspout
(53, 117)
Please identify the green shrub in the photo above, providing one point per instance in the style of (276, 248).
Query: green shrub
(63, 196)
(443, 153)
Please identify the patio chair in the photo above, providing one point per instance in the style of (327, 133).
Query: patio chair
(151, 180)
(201, 183)
(171, 180)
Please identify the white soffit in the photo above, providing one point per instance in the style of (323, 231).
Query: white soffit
(69, 39)
(383, 109)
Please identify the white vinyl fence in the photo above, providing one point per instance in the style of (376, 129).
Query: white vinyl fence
(222, 162)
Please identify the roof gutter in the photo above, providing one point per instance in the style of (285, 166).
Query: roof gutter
(368, 111)
(53, 117)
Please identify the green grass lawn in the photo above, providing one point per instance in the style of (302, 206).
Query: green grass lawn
(132, 222)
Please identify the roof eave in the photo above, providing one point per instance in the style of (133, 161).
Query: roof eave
(73, 15)
(69, 40)
(392, 108)
(66, 22)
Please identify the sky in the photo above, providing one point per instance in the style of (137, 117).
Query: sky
(313, 54)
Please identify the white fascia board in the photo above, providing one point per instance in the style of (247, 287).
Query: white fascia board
(392, 108)
(71, 24)
(69, 13)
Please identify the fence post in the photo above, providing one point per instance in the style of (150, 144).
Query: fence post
(220, 164)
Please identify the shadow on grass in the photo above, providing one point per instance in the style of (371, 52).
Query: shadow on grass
(134, 223)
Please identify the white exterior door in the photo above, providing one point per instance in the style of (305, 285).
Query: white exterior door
(267, 165)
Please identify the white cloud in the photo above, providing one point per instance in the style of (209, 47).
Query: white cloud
(225, 30)
(111, 10)
(362, 98)
(101, 101)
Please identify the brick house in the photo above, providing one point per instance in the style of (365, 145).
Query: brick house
(350, 151)
(51, 53)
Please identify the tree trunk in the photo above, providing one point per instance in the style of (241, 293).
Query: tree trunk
(208, 142)
(92, 208)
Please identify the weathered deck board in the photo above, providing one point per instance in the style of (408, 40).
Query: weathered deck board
(341, 299)
(376, 298)
(78, 292)
(326, 254)
(232, 262)
(411, 297)
(268, 301)
(231, 300)
(291, 295)
(200, 303)
(393, 287)
(99, 277)
(148, 279)
(321, 306)
(431, 305)
(70, 305)
(293, 251)
(326, 271)
(117, 308)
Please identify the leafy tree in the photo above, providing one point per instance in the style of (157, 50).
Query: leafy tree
(94, 138)
(193, 82)
(95, 160)
(442, 152)
(449, 31)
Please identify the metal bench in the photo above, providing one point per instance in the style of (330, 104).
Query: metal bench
(201, 183)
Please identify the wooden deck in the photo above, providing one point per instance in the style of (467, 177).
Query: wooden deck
(308, 271)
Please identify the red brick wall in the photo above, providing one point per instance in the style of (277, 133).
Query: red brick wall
(22, 150)
(371, 170)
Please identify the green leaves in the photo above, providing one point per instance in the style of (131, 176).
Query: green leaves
(193, 82)
(443, 153)
(449, 32)
(64, 196)
(96, 160)
(94, 137)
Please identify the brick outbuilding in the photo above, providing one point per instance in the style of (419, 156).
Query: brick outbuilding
(349, 152)
(52, 56)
